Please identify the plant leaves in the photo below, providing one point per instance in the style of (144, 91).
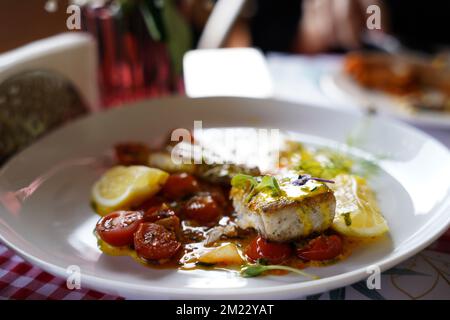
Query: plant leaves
(254, 270)
(243, 181)
(269, 182)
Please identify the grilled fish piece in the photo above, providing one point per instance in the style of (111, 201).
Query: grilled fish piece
(295, 212)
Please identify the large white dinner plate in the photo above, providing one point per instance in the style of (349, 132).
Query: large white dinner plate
(345, 91)
(45, 214)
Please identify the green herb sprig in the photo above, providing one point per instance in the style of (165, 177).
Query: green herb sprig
(255, 270)
(254, 186)
(347, 218)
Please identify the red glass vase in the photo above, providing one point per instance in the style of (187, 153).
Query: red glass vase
(132, 65)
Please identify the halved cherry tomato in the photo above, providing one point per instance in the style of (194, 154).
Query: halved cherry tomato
(132, 153)
(216, 193)
(273, 252)
(154, 242)
(180, 185)
(321, 248)
(158, 212)
(171, 223)
(202, 208)
(117, 228)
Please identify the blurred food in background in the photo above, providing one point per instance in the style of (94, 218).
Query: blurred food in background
(419, 82)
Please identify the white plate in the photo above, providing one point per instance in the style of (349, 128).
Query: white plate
(45, 214)
(343, 90)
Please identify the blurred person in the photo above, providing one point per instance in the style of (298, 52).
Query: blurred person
(314, 26)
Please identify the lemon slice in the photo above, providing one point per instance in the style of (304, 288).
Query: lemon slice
(121, 187)
(357, 211)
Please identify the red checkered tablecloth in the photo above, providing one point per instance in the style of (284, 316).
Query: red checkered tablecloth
(21, 280)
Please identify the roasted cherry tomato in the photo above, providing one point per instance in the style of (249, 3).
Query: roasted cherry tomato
(216, 193)
(132, 153)
(273, 252)
(171, 223)
(154, 242)
(321, 248)
(117, 228)
(202, 208)
(158, 212)
(180, 185)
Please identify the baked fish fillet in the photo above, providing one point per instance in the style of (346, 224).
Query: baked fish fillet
(295, 212)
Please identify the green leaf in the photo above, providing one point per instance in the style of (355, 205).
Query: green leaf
(269, 182)
(246, 182)
(243, 181)
(251, 183)
(254, 270)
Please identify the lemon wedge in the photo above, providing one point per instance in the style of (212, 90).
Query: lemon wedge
(357, 211)
(121, 187)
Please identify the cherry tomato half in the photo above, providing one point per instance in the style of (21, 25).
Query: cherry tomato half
(202, 208)
(273, 252)
(117, 228)
(180, 185)
(158, 212)
(321, 248)
(171, 223)
(216, 193)
(154, 242)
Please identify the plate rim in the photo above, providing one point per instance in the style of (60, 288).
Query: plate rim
(299, 288)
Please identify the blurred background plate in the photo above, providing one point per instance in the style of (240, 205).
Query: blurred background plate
(345, 91)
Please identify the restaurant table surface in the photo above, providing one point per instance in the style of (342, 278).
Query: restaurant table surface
(295, 78)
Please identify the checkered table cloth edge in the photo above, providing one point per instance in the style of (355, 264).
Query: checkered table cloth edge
(20, 280)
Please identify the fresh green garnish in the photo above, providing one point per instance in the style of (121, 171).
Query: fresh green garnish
(254, 270)
(269, 182)
(243, 181)
(255, 186)
(325, 164)
(347, 218)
